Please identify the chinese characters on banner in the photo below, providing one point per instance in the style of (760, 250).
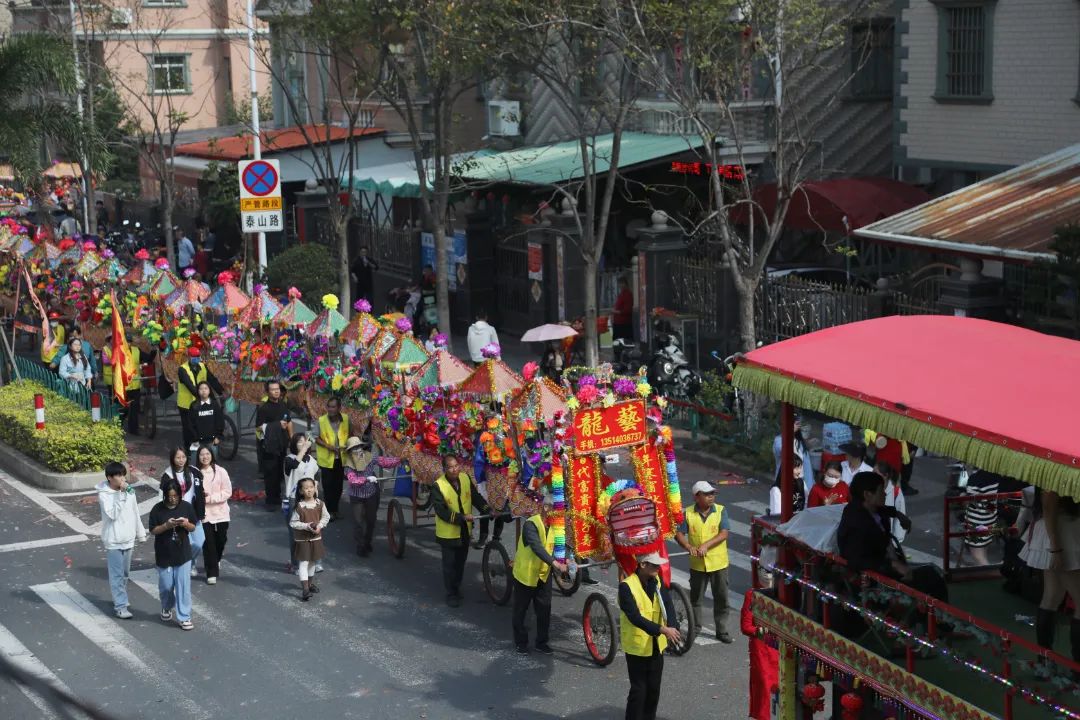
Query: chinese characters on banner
(584, 494)
(599, 429)
(724, 172)
(651, 476)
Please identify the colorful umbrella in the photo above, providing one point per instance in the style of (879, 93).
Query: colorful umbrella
(492, 379)
(88, 263)
(405, 355)
(383, 340)
(442, 369)
(196, 291)
(327, 324)
(109, 271)
(72, 255)
(141, 274)
(163, 284)
(260, 310)
(548, 332)
(362, 330)
(235, 298)
(538, 400)
(294, 314)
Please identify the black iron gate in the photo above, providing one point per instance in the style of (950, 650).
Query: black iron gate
(512, 284)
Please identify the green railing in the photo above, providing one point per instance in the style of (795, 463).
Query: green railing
(27, 369)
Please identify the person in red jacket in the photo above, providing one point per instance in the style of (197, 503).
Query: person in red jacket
(829, 489)
(622, 315)
(764, 660)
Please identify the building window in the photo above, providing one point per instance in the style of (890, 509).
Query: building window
(872, 59)
(965, 56)
(169, 74)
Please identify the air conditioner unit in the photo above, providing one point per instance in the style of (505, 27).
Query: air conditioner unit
(504, 117)
(120, 17)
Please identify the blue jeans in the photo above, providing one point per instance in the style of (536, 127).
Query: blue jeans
(198, 539)
(174, 589)
(119, 568)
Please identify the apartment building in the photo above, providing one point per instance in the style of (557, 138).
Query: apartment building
(984, 86)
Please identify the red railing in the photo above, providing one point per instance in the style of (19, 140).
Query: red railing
(818, 601)
(949, 534)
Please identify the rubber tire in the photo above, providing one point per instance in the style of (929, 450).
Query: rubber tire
(684, 612)
(230, 440)
(395, 528)
(495, 560)
(566, 589)
(603, 660)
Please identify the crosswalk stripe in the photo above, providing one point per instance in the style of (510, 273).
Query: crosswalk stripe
(42, 500)
(46, 542)
(139, 660)
(20, 656)
(146, 580)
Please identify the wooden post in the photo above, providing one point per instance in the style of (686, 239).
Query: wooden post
(788, 683)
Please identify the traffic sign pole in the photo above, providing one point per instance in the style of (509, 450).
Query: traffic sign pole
(256, 140)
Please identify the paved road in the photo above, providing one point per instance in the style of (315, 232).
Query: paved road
(376, 643)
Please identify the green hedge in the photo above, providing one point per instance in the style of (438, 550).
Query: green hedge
(70, 442)
(310, 268)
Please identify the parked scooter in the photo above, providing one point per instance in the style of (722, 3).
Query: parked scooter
(627, 356)
(668, 370)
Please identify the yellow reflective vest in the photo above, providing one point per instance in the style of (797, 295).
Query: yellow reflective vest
(459, 502)
(530, 570)
(700, 532)
(636, 641)
(324, 456)
(107, 369)
(184, 398)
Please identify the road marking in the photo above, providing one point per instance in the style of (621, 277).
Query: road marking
(141, 662)
(43, 501)
(47, 542)
(147, 581)
(755, 507)
(20, 656)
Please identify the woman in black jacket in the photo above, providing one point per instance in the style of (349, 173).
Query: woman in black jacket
(206, 420)
(191, 485)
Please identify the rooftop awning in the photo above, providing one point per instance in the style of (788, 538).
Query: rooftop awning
(839, 205)
(1010, 215)
(399, 179)
(993, 395)
(561, 162)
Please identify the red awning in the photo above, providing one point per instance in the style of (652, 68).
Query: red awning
(1007, 398)
(823, 204)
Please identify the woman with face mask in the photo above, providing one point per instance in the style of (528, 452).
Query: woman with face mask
(829, 488)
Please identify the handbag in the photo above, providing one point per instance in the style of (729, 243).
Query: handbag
(164, 387)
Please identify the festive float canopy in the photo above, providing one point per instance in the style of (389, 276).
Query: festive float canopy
(405, 354)
(997, 396)
(88, 263)
(164, 284)
(328, 323)
(141, 274)
(362, 329)
(442, 369)
(492, 379)
(108, 271)
(195, 291)
(540, 398)
(294, 314)
(261, 309)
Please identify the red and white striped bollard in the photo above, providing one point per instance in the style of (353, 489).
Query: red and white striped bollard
(39, 411)
(95, 407)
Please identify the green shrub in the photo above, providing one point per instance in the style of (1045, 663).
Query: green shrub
(70, 442)
(310, 268)
(734, 439)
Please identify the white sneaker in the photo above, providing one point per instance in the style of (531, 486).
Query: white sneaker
(318, 567)
(194, 572)
(211, 581)
(124, 614)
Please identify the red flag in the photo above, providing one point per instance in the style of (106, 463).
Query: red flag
(122, 361)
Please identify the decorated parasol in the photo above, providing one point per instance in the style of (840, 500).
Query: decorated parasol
(236, 299)
(46, 251)
(22, 245)
(87, 264)
(405, 355)
(261, 309)
(141, 274)
(442, 369)
(327, 324)
(71, 256)
(295, 314)
(196, 291)
(539, 399)
(108, 271)
(386, 337)
(164, 284)
(491, 380)
(177, 302)
(361, 330)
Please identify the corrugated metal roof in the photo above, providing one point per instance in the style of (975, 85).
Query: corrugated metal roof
(561, 162)
(1010, 215)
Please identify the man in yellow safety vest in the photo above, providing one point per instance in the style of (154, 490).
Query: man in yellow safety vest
(454, 499)
(704, 535)
(646, 624)
(532, 580)
(334, 432)
(188, 377)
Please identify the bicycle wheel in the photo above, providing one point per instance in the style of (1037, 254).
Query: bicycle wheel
(565, 584)
(230, 440)
(496, 567)
(684, 615)
(395, 528)
(148, 415)
(598, 625)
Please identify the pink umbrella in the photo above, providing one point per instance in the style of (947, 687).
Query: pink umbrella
(546, 333)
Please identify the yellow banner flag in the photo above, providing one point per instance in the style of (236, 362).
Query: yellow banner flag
(123, 362)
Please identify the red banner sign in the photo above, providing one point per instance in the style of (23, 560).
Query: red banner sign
(725, 172)
(584, 487)
(599, 429)
(650, 473)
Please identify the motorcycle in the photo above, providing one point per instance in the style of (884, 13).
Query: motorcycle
(627, 356)
(668, 370)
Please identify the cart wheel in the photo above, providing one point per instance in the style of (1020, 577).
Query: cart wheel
(684, 615)
(395, 528)
(565, 584)
(598, 624)
(149, 417)
(496, 568)
(423, 496)
(230, 440)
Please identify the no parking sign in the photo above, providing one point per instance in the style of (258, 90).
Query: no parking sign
(260, 196)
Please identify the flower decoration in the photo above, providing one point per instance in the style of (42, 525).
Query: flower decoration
(66, 244)
(528, 372)
(403, 325)
(161, 264)
(623, 386)
(142, 254)
(189, 273)
(108, 254)
(362, 306)
(225, 277)
(294, 294)
(586, 380)
(491, 351)
(441, 341)
(330, 301)
(89, 246)
(609, 400)
(644, 389)
(588, 394)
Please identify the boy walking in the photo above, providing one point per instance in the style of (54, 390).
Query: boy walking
(120, 528)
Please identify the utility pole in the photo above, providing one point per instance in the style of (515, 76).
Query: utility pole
(79, 109)
(256, 139)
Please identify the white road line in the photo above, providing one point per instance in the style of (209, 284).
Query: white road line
(47, 542)
(138, 660)
(21, 657)
(205, 616)
(43, 501)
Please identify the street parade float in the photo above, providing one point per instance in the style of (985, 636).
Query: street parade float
(889, 650)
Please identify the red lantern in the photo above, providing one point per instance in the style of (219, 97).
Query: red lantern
(813, 695)
(851, 705)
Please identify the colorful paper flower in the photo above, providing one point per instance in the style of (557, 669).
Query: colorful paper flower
(624, 386)
(142, 254)
(294, 294)
(330, 301)
(588, 394)
(189, 272)
(491, 351)
(403, 325)
(441, 341)
(362, 306)
(162, 263)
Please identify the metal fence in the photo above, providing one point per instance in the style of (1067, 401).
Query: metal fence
(27, 369)
(393, 249)
(698, 286)
(790, 306)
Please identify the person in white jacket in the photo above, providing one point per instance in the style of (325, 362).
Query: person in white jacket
(481, 335)
(121, 526)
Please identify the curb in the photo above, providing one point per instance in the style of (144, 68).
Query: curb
(30, 471)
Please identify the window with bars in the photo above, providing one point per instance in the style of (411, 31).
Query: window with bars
(872, 59)
(965, 35)
(169, 74)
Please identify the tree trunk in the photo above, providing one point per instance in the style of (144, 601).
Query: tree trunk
(442, 277)
(592, 349)
(746, 292)
(341, 227)
(167, 224)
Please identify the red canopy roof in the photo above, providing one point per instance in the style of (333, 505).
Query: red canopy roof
(1012, 388)
(823, 204)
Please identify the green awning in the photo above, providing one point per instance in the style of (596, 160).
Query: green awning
(399, 179)
(561, 162)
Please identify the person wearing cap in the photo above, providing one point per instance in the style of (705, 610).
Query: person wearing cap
(189, 375)
(704, 534)
(855, 462)
(454, 499)
(364, 494)
(329, 445)
(532, 579)
(646, 624)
